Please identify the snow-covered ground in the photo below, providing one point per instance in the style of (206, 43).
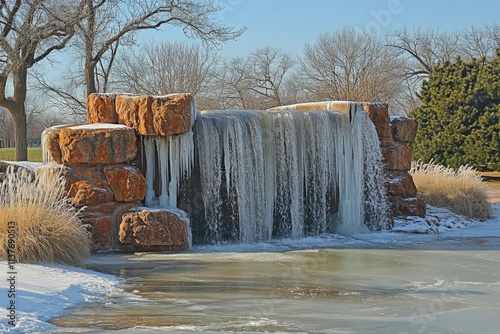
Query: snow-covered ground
(45, 291)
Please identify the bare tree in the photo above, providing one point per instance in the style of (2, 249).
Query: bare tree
(422, 49)
(268, 68)
(235, 84)
(350, 65)
(29, 32)
(108, 25)
(107, 22)
(292, 91)
(166, 68)
(257, 81)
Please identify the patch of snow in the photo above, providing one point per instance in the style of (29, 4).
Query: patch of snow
(43, 292)
(98, 126)
(395, 180)
(24, 164)
(437, 220)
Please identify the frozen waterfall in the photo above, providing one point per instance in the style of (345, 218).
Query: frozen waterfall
(286, 174)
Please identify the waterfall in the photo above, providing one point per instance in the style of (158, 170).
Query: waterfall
(375, 200)
(288, 174)
(168, 160)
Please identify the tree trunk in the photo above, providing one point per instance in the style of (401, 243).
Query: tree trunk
(21, 133)
(18, 111)
(90, 77)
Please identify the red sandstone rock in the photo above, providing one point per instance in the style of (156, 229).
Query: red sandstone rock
(101, 219)
(101, 230)
(397, 157)
(153, 230)
(400, 184)
(101, 109)
(109, 208)
(404, 129)
(408, 207)
(97, 144)
(127, 183)
(156, 115)
(86, 186)
(379, 114)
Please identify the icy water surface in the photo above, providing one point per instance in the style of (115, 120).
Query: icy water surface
(450, 288)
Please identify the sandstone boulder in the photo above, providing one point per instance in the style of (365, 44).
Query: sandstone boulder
(156, 115)
(109, 208)
(404, 129)
(379, 114)
(153, 229)
(397, 157)
(50, 144)
(97, 144)
(101, 229)
(408, 207)
(86, 186)
(400, 184)
(101, 108)
(127, 183)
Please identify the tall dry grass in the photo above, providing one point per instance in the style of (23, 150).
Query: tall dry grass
(47, 227)
(461, 191)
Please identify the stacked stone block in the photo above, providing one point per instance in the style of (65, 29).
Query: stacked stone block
(97, 162)
(90, 158)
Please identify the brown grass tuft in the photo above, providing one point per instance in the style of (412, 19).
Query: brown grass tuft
(461, 191)
(47, 227)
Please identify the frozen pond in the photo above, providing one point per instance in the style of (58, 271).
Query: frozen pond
(379, 283)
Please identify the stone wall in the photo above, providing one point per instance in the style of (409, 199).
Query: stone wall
(102, 169)
(97, 161)
(394, 135)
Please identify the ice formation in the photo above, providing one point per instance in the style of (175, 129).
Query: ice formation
(288, 174)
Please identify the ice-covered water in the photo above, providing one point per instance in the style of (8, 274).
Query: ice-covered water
(354, 290)
(381, 282)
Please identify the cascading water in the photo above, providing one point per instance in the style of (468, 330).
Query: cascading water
(375, 200)
(287, 174)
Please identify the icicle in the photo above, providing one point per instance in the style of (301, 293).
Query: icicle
(149, 147)
(175, 160)
(46, 156)
(285, 174)
(163, 157)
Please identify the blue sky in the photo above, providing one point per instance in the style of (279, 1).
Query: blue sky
(289, 24)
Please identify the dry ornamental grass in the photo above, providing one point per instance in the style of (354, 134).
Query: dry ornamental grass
(47, 227)
(461, 191)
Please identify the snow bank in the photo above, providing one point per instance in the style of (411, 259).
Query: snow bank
(43, 292)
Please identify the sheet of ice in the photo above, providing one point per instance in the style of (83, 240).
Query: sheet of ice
(43, 292)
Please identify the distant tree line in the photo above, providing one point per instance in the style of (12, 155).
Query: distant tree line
(99, 37)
